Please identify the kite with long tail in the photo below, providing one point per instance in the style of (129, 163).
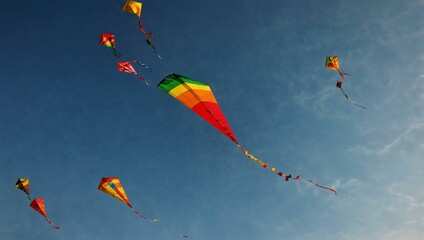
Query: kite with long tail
(38, 205)
(128, 68)
(112, 186)
(340, 85)
(135, 8)
(199, 97)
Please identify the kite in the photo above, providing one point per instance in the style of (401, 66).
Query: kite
(339, 84)
(199, 97)
(108, 40)
(135, 8)
(38, 205)
(128, 68)
(23, 184)
(113, 187)
(332, 62)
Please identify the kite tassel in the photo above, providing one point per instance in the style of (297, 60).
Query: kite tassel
(342, 74)
(29, 197)
(323, 187)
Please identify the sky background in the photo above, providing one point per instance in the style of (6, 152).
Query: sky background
(69, 118)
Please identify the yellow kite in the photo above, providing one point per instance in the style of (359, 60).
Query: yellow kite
(133, 7)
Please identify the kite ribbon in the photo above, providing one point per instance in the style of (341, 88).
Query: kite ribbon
(148, 35)
(350, 100)
(323, 187)
(51, 224)
(144, 65)
(116, 53)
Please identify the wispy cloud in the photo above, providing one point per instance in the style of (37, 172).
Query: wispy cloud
(414, 126)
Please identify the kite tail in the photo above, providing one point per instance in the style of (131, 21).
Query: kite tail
(154, 50)
(29, 197)
(144, 65)
(144, 217)
(51, 224)
(142, 78)
(116, 53)
(351, 101)
(279, 173)
(323, 187)
(148, 35)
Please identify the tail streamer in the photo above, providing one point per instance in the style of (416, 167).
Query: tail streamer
(340, 85)
(155, 220)
(51, 224)
(279, 173)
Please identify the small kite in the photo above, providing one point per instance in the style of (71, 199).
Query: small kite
(108, 40)
(128, 68)
(23, 184)
(199, 97)
(135, 8)
(38, 205)
(113, 187)
(339, 84)
(332, 62)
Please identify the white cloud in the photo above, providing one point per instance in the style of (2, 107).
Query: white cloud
(404, 135)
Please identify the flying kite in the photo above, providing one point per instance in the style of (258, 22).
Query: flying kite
(199, 97)
(135, 8)
(38, 205)
(128, 68)
(113, 187)
(108, 40)
(332, 62)
(23, 184)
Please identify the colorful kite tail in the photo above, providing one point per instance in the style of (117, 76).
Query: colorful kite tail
(323, 187)
(145, 218)
(29, 197)
(51, 224)
(116, 53)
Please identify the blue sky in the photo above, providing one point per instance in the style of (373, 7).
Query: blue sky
(69, 118)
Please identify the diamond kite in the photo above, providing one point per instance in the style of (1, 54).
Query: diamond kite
(38, 205)
(23, 184)
(199, 97)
